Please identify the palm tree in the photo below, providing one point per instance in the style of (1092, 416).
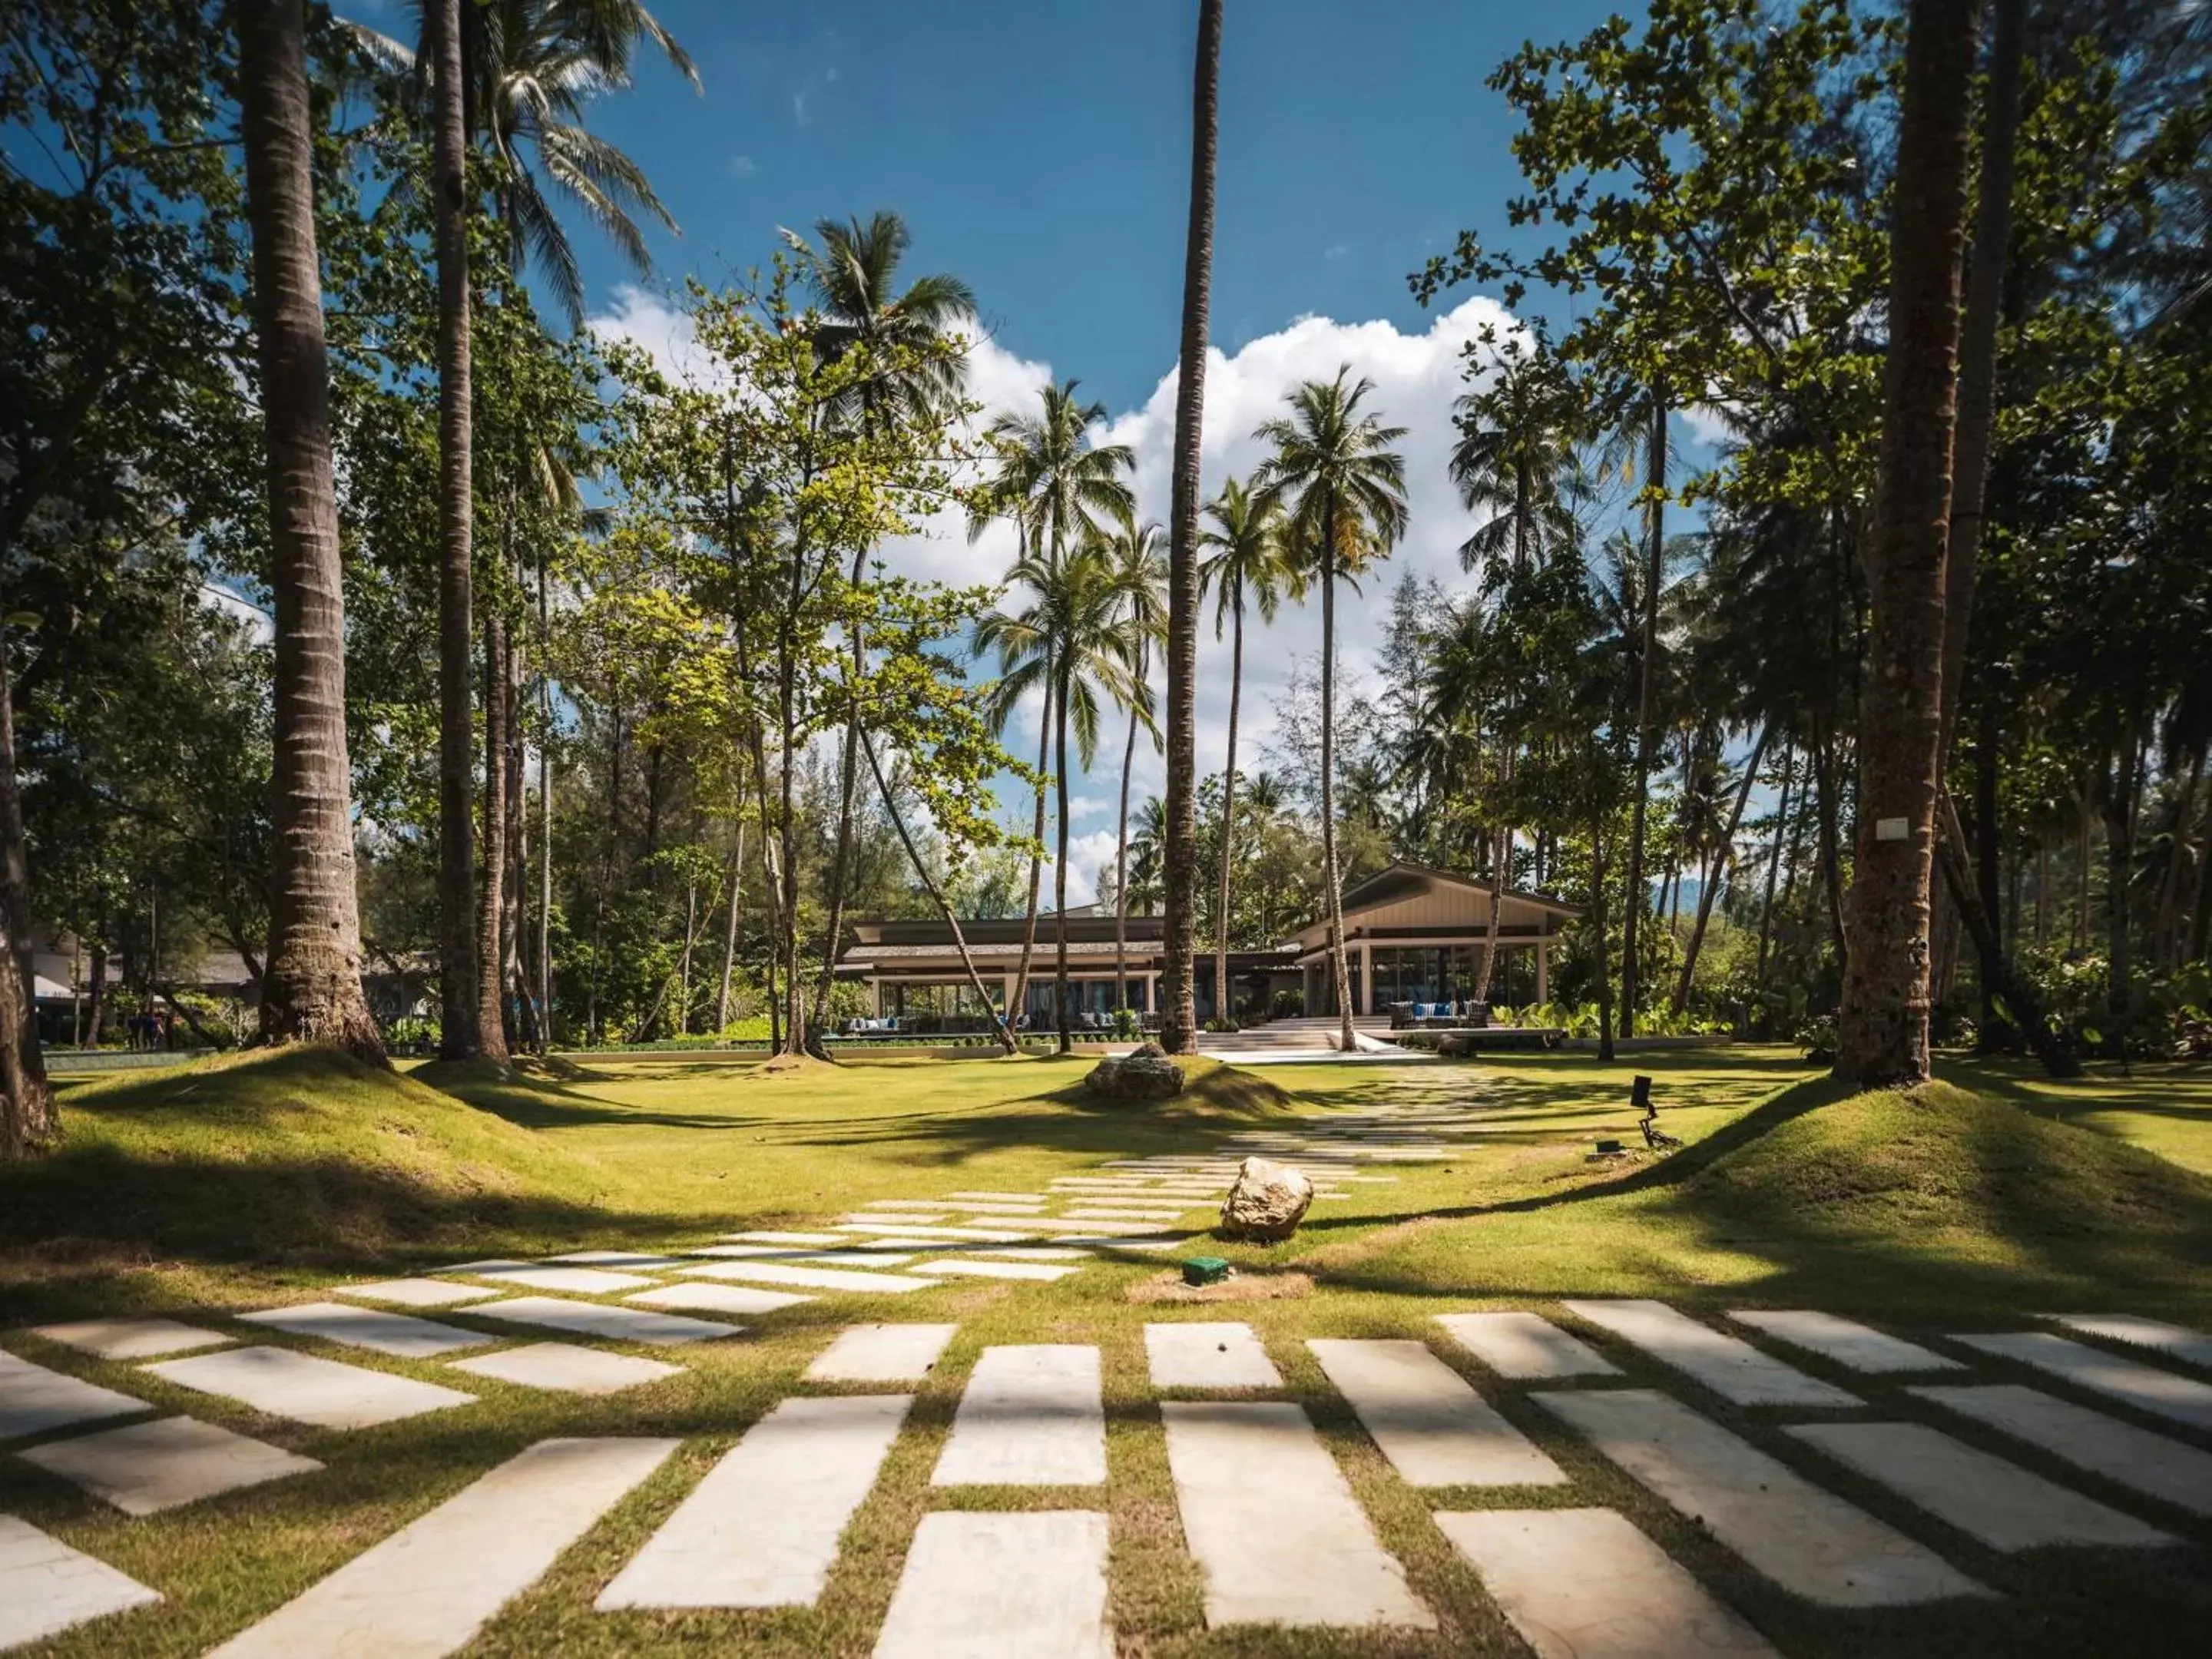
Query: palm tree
(1148, 851)
(1515, 460)
(1136, 556)
(1342, 489)
(1179, 1024)
(1249, 558)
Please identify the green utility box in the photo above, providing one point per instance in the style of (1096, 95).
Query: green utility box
(1205, 1270)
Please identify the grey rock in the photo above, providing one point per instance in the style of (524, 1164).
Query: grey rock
(1145, 1073)
(1266, 1202)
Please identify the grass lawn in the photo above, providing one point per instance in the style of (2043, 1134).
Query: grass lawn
(1960, 1208)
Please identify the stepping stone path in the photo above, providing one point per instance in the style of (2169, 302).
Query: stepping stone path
(1435, 1430)
(1811, 1543)
(1855, 1346)
(2149, 1463)
(1032, 1415)
(2146, 1388)
(33, 1399)
(415, 1292)
(370, 1328)
(1274, 1523)
(1208, 1354)
(785, 1238)
(564, 1368)
(132, 1338)
(1586, 1584)
(1032, 1584)
(1036, 1272)
(881, 1353)
(812, 1279)
(306, 1390)
(430, 1587)
(2003, 1506)
(46, 1587)
(1525, 1347)
(614, 1324)
(1732, 1368)
(2177, 1341)
(762, 1529)
(539, 1276)
(626, 1260)
(147, 1468)
(718, 1298)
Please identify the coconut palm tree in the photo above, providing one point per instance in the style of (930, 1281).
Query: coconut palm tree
(1342, 488)
(1516, 458)
(1248, 558)
(1136, 556)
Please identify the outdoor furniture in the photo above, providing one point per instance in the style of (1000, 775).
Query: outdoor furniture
(1439, 1016)
(1639, 1095)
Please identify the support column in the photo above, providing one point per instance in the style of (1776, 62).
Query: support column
(875, 997)
(1543, 970)
(1366, 997)
(1006, 998)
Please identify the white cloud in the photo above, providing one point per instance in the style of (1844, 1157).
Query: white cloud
(1087, 856)
(743, 167)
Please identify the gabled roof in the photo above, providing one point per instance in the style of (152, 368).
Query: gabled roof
(1405, 877)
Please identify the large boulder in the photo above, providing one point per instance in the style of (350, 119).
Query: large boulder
(1266, 1202)
(1145, 1073)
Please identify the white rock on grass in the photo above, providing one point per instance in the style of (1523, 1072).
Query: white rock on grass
(2149, 1463)
(147, 1468)
(130, 1338)
(372, 1329)
(309, 1389)
(2003, 1506)
(762, 1529)
(2178, 1342)
(1435, 1430)
(1586, 1584)
(1031, 1415)
(33, 1398)
(1855, 1346)
(718, 1298)
(1810, 1542)
(426, 1590)
(612, 1324)
(1208, 1354)
(415, 1292)
(1032, 1584)
(46, 1587)
(1525, 1347)
(1730, 1367)
(1266, 1201)
(565, 1368)
(881, 1353)
(2183, 1399)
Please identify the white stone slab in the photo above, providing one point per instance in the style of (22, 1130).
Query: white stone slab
(955, 1267)
(626, 1261)
(1808, 1541)
(942, 1235)
(995, 1206)
(881, 1353)
(1525, 1347)
(761, 1252)
(147, 1467)
(2177, 1340)
(2183, 1399)
(1122, 1241)
(130, 1338)
(998, 1198)
(1586, 1584)
(565, 1368)
(884, 1221)
(1435, 1430)
(430, 1587)
(414, 1293)
(1208, 1354)
(612, 1324)
(1110, 1229)
(771, 1236)
(1731, 1368)
(718, 1298)
(2150, 1464)
(1149, 1217)
(1033, 1253)
(858, 1258)
(1032, 1584)
(1273, 1523)
(33, 1398)
(1855, 1346)
(1031, 1415)
(813, 1279)
(46, 1587)
(370, 1328)
(904, 1205)
(540, 1276)
(2003, 1506)
(762, 1529)
(309, 1389)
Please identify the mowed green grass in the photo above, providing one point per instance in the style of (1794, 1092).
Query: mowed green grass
(1939, 1211)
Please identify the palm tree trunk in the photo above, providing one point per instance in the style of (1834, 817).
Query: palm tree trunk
(848, 774)
(2120, 801)
(1773, 869)
(2200, 921)
(1179, 1020)
(1597, 925)
(1221, 998)
(513, 972)
(1121, 868)
(1020, 1009)
(310, 990)
(730, 926)
(1060, 871)
(1340, 968)
(491, 992)
(27, 1103)
(545, 815)
(1635, 898)
(1883, 1030)
(2168, 933)
(1501, 859)
(1709, 887)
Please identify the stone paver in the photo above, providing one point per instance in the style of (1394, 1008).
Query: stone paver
(1731, 1368)
(1032, 1584)
(1434, 1428)
(2183, 1399)
(624, 1260)
(612, 1324)
(428, 1589)
(999, 1198)
(813, 1279)
(132, 1338)
(1525, 1347)
(762, 1529)
(147, 1468)
(2129, 1456)
(1809, 1541)
(881, 1353)
(1147, 1241)
(1208, 1354)
(1032, 1252)
(1855, 1346)
(33, 1398)
(1038, 1271)
(307, 1389)
(718, 1298)
(863, 1259)
(2177, 1340)
(1274, 1523)
(1586, 1584)
(565, 1368)
(883, 1221)
(370, 1328)
(415, 1292)
(1999, 1502)
(773, 1237)
(1032, 1416)
(941, 1235)
(46, 1587)
(543, 1276)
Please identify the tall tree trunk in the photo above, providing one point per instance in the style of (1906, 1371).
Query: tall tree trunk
(1986, 872)
(1882, 1031)
(684, 973)
(2166, 933)
(730, 936)
(27, 1103)
(491, 990)
(1828, 812)
(1121, 868)
(848, 774)
(1179, 1019)
(545, 815)
(2200, 921)
(1020, 1009)
(1597, 925)
(461, 1036)
(1635, 898)
(514, 974)
(2119, 864)
(310, 990)
(2019, 994)
(1228, 804)
(1724, 856)
(1340, 967)
(1774, 869)
(1501, 861)
(95, 1010)
(1059, 872)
